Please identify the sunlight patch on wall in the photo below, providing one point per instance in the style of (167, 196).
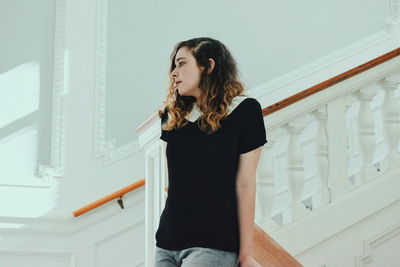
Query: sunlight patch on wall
(19, 92)
(22, 193)
(28, 202)
(19, 153)
(19, 104)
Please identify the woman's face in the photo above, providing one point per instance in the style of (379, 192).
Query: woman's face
(186, 74)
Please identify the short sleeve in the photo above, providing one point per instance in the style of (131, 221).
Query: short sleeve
(164, 135)
(164, 118)
(253, 132)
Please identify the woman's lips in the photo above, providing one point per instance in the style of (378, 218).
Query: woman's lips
(177, 83)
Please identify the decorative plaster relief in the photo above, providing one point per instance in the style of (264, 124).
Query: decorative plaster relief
(56, 168)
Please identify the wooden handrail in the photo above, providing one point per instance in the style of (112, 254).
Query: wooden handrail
(109, 197)
(269, 253)
(328, 83)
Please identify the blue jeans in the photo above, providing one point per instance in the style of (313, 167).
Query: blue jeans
(195, 257)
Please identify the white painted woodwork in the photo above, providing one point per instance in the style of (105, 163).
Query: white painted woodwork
(366, 133)
(295, 157)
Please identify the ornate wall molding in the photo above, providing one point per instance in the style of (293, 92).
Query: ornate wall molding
(394, 19)
(389, 32)
(369, 245)
(56, 167)
(322, 63)
(102, 147)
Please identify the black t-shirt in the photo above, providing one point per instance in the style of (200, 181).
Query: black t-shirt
(201, 207)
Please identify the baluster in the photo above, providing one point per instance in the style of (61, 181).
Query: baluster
(322, 154)
(366, 133)
(339, 184)
(265, 186)
(391, 120)
(348, 102)
(296, 169)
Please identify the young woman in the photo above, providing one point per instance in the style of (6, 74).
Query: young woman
(214, 136)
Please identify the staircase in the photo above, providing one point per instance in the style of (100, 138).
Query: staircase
(327, 187)
(327, 180)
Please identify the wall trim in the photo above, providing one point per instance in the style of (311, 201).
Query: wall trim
(102, 147)
(389, 31)
(394, 19)
(56, 167)
(321, 63)
(370, 244)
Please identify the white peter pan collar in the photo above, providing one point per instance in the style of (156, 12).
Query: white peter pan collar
(195, 113)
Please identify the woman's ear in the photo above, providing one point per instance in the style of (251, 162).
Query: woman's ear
(212, 64)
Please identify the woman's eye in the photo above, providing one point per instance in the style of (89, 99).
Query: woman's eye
(180, 63)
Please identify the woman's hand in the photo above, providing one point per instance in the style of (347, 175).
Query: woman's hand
(248, 262)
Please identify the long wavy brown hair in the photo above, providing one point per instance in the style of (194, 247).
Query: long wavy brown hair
(218, 88)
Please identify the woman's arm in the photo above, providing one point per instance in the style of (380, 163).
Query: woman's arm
(246, 193)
